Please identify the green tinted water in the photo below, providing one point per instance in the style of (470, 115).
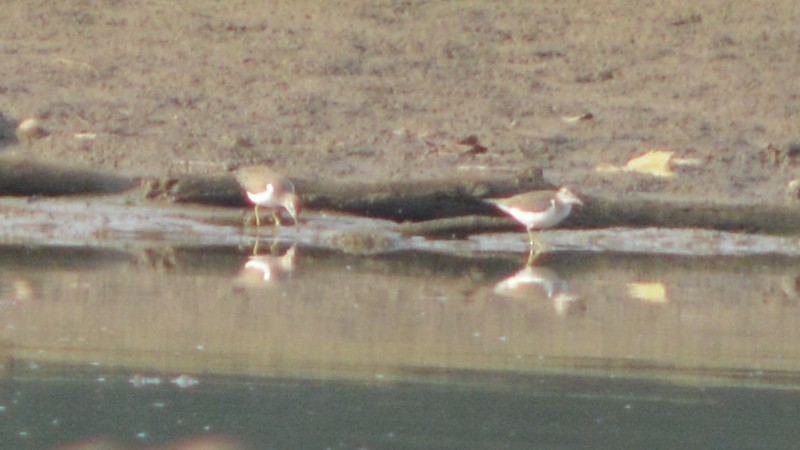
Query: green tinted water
(524, 412)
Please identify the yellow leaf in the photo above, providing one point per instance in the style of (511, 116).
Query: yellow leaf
(606, 167)
(654, 162)
(652, 292)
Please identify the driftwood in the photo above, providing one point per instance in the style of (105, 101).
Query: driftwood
(637, 212)
(601, 213)
(455, 207)
(400, 201)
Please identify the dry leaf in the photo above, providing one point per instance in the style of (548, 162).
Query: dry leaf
(582, 117)
(608, 168)
(654, 162)
(651, 292)
(686, 161)
(85, 135)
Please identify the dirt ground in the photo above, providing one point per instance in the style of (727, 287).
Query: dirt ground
(365, 89)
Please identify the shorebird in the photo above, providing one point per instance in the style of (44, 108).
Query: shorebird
(265, 187)
(538, 209)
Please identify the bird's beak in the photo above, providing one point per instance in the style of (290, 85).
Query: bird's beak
(575, 199)
(293, 206)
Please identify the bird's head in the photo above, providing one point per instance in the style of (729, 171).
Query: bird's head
(566, 196)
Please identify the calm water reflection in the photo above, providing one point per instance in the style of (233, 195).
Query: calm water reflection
(303, 348)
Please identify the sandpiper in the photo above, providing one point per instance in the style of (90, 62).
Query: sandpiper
(538, 209)
(265, 187)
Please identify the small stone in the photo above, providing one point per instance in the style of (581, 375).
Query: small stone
(29, 130)
(793, 191)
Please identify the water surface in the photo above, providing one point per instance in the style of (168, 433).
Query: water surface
(300, 347)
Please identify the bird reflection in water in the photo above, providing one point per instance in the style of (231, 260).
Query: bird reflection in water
(537, 282)
(266, 269)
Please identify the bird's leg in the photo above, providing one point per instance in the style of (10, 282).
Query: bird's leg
(258, 221)
(536, 243)
(275, 217)
(273, 249)
(255, 247)
(533, 256)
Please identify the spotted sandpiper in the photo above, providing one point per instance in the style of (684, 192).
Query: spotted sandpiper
(265, 187)
(538, 209)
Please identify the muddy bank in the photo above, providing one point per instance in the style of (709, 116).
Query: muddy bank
(25, 177)
(448, 205)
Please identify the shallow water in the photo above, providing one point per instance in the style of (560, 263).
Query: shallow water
(303, 347)
(149, 326)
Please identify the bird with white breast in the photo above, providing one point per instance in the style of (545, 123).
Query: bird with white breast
(265, 187)
(538, 209)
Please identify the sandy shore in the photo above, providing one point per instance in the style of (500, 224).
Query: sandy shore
(365, 90)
